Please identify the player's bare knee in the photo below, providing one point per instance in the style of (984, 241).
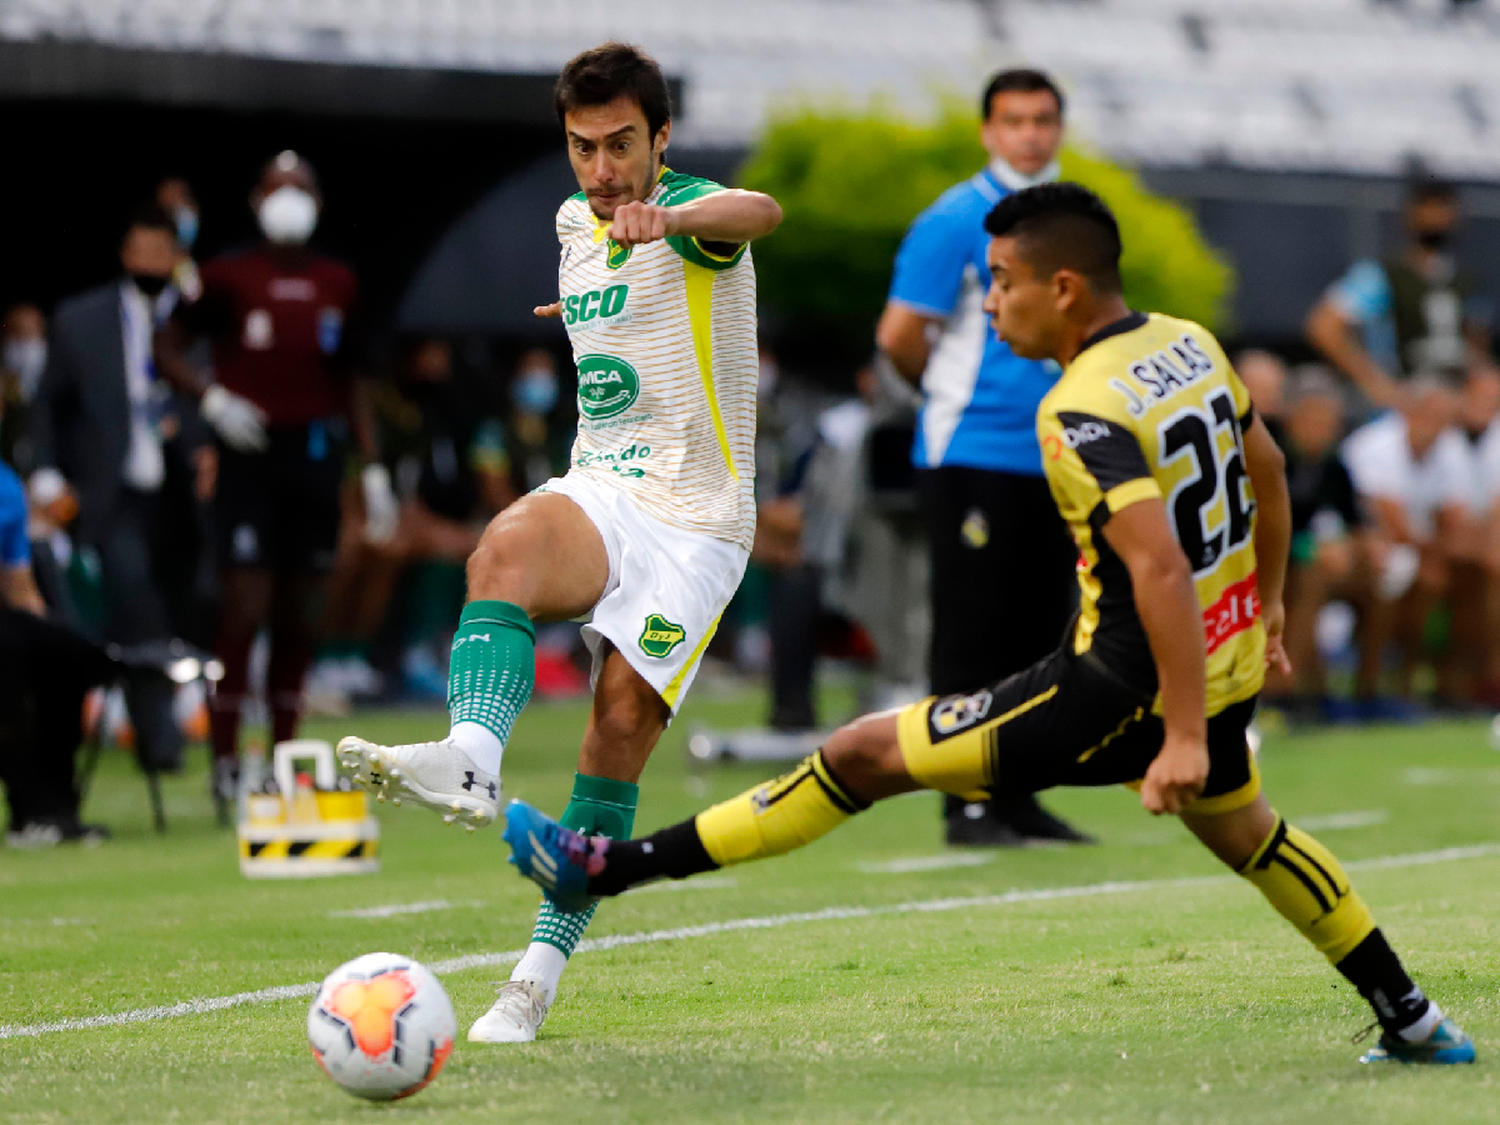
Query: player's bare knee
(498, 567)
(866, 756)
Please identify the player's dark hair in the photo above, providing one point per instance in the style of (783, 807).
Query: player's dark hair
(599, 76)
(1061, 226)
(1430, 189)
(288, 159)
(148, 216)
(1021, 80)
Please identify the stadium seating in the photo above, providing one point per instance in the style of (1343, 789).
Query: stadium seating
(1353, 85)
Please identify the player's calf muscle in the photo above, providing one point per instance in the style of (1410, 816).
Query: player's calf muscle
(1234, 837)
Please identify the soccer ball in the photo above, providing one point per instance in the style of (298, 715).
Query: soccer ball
(381, 1026)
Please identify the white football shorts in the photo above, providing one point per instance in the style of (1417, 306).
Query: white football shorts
(667, 587)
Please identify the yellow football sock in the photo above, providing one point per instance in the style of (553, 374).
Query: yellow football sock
(770, 819)
(1310, 890)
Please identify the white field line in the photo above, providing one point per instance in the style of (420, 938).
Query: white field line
(1330, 822)
(206, 1004)
(1423, 776)
(927, 863)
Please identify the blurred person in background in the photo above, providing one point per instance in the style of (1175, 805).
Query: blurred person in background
(1002, 561)
(100, 425)
(452, 474)
(881, 582)
(1479, 421)
(1330, 555)
(542, 445)
(23, 358)
(1412, 469)
(1264, 376)
(175, 197)
(1386, 321)
(788, 437)
(282, 402)
(45, 671)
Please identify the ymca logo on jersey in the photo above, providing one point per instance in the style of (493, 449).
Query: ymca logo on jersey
(661, 636)
(596, 308)
(959, 712)
(607, 386)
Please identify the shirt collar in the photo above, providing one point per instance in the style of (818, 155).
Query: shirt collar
(1127, 323)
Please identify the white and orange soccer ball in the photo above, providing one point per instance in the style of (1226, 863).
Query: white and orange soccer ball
(381, 1026)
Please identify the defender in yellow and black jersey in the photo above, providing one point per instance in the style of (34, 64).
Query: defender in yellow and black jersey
(1177, 499)
(1150, 408)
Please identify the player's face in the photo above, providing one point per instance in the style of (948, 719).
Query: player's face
(614, 156)
(1022, 307)
(1316, 422)
(1024, 129)
(148, 252)
(1431, 410)
(1432, 222)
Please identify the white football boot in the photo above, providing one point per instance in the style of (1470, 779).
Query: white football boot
(515, 1017)
(436, 774)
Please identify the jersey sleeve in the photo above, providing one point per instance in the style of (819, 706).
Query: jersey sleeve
(15, 546)
(709, 255)
(1364, 293)
(1094, 464)
(1341, 494)
(213, 312)
(929, 270)
(1376, 466)
(1459, 471)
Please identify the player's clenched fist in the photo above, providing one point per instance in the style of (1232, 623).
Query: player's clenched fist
(1177, 775)
(635, 223)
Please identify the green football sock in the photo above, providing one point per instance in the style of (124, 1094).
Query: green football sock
(599, 807)
(490, 674)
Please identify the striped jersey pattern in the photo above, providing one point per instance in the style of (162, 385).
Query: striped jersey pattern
(664, 339)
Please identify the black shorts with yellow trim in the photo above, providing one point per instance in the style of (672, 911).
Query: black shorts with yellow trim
(1066, 720)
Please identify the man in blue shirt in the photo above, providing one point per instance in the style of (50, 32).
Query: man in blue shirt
(1002, 561)
(45, 671)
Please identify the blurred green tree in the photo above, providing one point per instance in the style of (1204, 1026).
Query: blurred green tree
(850, 181)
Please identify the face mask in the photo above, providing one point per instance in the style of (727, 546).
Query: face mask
(187, 227)
(151, 284)
(1019, 181)
(288, 215)
(27, 358)
(1433, 239)
(536, 392)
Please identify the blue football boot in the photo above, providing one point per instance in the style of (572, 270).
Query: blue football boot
(551, 856)
(1448, 1044)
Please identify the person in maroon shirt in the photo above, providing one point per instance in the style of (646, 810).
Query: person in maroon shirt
(284, 404)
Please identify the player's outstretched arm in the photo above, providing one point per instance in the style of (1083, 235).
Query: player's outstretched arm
(1162, 582)
(1333, 334)
(729, 217)
(1266, 466)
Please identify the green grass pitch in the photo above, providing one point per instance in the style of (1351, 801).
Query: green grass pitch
(1172, 998)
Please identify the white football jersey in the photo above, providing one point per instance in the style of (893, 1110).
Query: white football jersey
(664, 339)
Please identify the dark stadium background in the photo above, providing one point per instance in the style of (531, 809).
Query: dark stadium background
(406, 153)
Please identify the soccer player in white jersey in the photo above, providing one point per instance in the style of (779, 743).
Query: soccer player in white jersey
(649, 532)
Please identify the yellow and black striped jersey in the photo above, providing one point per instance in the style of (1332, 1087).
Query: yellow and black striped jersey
(1150, 409)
